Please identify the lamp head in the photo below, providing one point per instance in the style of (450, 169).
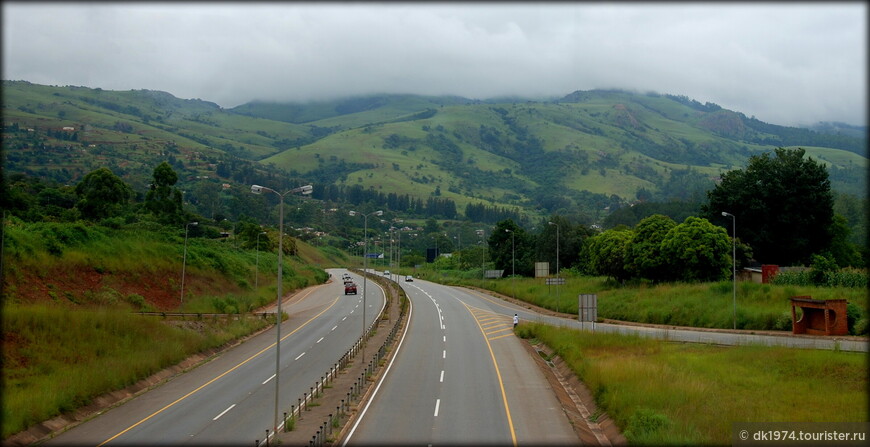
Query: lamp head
(379, 213)
(256, 189)
(194, 223)
(307, 189)
(351, 213)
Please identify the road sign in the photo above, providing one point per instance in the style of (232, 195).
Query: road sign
(555, 281)
(542, 269)
(588, 307)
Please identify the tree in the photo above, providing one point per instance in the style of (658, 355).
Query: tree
(783, 205)
(697, 250)
(509, 250)
(163, 199)
(606, 253)
(643, 256)
(101, 194)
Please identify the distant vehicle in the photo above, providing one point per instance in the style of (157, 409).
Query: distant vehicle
(409, 278)
(350, 289)
(386, 273)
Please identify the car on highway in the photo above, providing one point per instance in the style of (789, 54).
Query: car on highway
(349, 288)
(409, 278)
(386, 273)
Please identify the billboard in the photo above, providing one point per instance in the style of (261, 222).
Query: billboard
(542, 269)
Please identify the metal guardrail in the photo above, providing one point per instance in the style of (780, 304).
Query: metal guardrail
(354, 393)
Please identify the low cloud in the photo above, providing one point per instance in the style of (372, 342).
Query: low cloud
(783, 63)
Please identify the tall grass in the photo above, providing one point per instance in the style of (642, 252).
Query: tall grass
(671, 393)
(76, 345)
(707, 305)
(149, 248)
(56, 360)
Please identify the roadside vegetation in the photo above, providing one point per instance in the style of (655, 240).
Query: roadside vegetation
(689, 394)
(706, 305)
(55, 360)
(75, 278)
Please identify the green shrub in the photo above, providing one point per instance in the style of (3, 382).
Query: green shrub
(861, 326)
(783, 322)
(853, 314)
(644, 424)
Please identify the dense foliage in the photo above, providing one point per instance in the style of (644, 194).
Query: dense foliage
(783, 206)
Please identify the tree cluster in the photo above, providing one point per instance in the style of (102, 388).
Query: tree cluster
(659, 249)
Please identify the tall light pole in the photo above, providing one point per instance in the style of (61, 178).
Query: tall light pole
(365, 269)
(257, 189)
(459, 249)
(482, 234)
(257, 271)
(557, 265)
(184, 262)
(513, 262)
(398, 247)
(733, 263)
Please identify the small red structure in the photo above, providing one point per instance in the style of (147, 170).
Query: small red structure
(820, 317)
(768, 271)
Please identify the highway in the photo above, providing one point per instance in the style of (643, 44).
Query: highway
(231, 398)
(460, 376)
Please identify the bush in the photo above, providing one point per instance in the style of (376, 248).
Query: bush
(645, 422)
(783, 322)
(853, 314)
(861, 326)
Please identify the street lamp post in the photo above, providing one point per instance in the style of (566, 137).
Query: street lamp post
(459, 249)
(513, 262)
(257, 189)
(557, 265)
(482, 234)
(365, 269)
(257, 270)
(733, 264)
(184, 261)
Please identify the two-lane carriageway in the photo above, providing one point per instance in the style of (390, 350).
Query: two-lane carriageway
(231, 398)
(460, 376)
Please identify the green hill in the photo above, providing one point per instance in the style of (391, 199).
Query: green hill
(587, 151)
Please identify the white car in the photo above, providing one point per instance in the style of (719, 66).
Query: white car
(386, 273)
(409, 278)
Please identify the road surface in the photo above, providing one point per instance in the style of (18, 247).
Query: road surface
(231, 399)
(460, 376)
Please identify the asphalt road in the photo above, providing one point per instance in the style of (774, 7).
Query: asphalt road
(231, 399)
(460, 376)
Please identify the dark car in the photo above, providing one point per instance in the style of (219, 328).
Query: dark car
(350, 288)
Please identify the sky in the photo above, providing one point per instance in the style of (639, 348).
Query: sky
(783, 63)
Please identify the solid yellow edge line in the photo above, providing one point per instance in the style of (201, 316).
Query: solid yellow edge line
(498, 374)
(218, 377)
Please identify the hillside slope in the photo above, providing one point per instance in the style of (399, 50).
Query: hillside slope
(587, 150)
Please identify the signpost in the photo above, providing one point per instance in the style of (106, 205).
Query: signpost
(588, 309)
(542, 269)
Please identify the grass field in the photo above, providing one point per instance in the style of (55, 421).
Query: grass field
(56, 360)
(707, 305)
(70, 331)
(689, 394)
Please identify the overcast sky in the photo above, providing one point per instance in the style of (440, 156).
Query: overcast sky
(784, 63)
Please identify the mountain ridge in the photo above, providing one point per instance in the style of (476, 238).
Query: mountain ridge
(588, 150)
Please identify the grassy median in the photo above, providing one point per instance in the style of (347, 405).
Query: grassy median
(677, 393)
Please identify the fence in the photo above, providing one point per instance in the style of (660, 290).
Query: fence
(354, 393)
